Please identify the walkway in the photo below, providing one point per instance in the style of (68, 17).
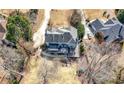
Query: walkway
(87, 30)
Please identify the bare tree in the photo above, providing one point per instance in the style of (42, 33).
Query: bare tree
(75, 18)
(99, 64)
(13, 61)
(47, 71)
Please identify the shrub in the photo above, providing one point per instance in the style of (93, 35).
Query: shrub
(81, 49)
(120, 15)
(80, 29)
(14, 82)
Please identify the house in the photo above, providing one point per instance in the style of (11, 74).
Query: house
(62, 41)
(112, 29)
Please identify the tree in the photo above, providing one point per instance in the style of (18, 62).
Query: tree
(80, 29)
(76, 22)
(99, 37)
(48, 71)
(13, 63)
(75, 18)
(18, 27)
(99, 65)
(33, 15)
(120, 15)
(81, 49)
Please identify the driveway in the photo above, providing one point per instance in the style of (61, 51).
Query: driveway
(39, 36)
(87, 30)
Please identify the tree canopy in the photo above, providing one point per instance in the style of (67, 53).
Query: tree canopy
(80, 29)
(120, 15)
(99, 37)
(76, 22)
(18, 27)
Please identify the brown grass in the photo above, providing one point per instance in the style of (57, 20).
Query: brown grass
(31, 71)
(39, 20)
(98, 13)
(60, 18)
(66, 75)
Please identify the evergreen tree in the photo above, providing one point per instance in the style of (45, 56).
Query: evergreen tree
(120, 15)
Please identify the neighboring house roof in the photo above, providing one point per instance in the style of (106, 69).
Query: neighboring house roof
(122, 32)
(97, 24)
(112, 29)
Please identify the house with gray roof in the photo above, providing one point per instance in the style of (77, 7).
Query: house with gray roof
(62, 41)
(112, 29)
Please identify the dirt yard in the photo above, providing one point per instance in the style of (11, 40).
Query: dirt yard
(31, 72)
(98, 13)
(60, 18)
(56, 73)
(66, 75)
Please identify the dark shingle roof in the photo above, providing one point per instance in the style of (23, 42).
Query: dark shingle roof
(67, 36)
(49, 37)
(105, 32)
(59, 36)
(97, 24)
(110, 21)
(122, 32)
(112, 29)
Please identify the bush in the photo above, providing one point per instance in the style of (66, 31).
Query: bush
(80, 29)
(14, 82)
(12, 79)
(18, 27)
(120, 15)
(81, 49)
